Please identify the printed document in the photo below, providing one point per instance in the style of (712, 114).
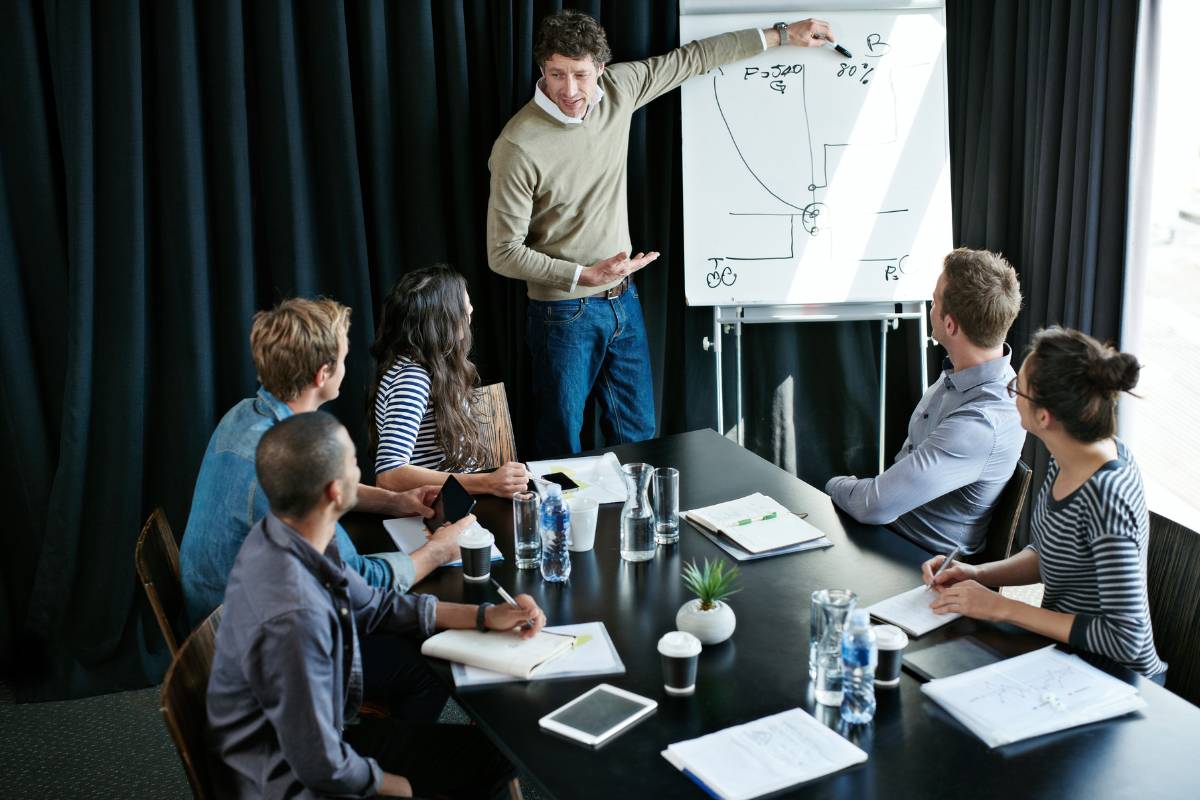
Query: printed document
(598, 477)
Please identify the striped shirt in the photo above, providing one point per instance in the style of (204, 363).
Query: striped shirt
(1091, 548)
(406, 420)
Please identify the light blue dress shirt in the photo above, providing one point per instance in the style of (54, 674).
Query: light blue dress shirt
(963, 443)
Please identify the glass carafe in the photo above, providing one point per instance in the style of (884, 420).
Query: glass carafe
(836, 605)
(637, 517)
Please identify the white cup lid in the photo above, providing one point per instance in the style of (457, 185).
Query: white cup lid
(679, 644)
(475, 536)
(889, 637)
(583, 504)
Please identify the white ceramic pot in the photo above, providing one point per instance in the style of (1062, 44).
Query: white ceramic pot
(710, 627)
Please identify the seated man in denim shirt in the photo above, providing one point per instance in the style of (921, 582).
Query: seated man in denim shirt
(287, 677)
(965, 436)
(299, 350)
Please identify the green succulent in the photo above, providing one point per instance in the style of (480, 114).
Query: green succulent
(712, 583)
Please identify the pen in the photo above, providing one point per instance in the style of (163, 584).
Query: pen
(763, 518)
(949, 560)
(833, 46)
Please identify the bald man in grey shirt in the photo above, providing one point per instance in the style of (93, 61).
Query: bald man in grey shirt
(965, 436)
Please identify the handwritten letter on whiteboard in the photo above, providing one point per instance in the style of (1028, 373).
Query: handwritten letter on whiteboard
(813, 178)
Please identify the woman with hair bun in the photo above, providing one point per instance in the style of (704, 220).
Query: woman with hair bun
(421, 413)
(1089, 527)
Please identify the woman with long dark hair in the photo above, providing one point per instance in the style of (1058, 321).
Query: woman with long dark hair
(421, 411)
(1089, 528)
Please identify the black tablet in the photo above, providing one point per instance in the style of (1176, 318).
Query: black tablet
(452, 504)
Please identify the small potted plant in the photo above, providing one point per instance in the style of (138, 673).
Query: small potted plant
(708, 618)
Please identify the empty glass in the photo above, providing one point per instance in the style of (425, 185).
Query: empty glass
(835, 605)
(666, 505)
(527, 545)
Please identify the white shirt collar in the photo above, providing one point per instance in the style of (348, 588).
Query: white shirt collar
(547, 105)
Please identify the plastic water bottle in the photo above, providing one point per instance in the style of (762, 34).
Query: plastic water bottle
(555, 524)
(859, 657)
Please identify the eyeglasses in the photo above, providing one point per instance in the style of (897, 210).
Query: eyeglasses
(1013, 391)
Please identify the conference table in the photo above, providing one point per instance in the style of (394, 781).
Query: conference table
(915, 748)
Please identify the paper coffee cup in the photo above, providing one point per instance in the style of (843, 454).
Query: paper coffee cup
(475, 544)
(584, 511)
(680, 653)
(890, 642)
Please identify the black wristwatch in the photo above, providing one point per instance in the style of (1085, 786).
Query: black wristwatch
(480, 613)
(783, 32)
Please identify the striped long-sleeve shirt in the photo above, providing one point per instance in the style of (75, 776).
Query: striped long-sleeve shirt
(1091, 548)
(405, 419)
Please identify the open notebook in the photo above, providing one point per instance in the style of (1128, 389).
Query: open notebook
(499, 651)
(758, 525)
(763, 756)
(593, 654)
(1031, 695)
(910, 610)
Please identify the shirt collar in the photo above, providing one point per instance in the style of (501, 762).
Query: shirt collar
(547, 105)
(327, 566)
(977, 375)
(269, 405)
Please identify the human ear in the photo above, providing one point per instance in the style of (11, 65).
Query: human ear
(322, 375)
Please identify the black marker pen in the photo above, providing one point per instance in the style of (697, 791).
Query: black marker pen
(834, 46)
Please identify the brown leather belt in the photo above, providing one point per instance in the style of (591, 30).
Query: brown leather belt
(614, 292)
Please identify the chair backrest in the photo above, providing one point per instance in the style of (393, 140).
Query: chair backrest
(183, 706)
(1006, 515)
(495, 424)
(1173, 562)
(157, 561)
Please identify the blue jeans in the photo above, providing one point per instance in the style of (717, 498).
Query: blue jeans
(581, 345)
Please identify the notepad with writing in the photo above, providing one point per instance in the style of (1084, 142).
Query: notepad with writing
(1031, 695)
(757, 523)
(910, 610)
(499, 651)
(763, 756)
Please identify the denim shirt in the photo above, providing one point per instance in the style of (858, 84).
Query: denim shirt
(227, 501)
(287, 675)
(964, 439)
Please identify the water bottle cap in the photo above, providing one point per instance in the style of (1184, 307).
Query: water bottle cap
(860, 618)
(553, 490)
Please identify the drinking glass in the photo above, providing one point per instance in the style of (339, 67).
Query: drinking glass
(666, 505)
(527, 547)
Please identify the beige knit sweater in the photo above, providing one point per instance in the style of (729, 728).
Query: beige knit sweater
(558, 190)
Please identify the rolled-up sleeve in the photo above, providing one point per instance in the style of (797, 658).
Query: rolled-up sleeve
(289, 670)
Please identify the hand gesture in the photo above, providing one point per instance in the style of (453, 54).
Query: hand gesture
(416, 502)
(508, 479)
(958, 571)
(444, 541)
(527, 617)
(971, 599)
(809, 33)
(611, 270)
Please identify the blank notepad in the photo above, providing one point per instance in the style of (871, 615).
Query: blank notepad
(910, 610)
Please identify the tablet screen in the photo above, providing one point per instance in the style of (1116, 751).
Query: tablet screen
(601, 711)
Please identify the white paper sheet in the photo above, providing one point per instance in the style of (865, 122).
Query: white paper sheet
(910, 610)
(1032, 694)
(409, 533)
(760, 535)
(764, 756)
(599, 477)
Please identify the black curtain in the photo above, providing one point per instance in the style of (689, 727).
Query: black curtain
(1041, 114)
(166, 169)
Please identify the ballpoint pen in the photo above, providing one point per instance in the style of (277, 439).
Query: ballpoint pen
(949, 560)
(508, 598)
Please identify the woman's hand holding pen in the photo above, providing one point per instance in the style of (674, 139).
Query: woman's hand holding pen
(951, 575)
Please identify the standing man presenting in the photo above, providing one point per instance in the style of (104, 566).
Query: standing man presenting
(557, 218)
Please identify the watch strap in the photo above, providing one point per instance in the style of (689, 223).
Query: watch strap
(783, 32)
(480, 614)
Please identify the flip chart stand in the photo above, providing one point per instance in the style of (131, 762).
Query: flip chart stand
(887, 314)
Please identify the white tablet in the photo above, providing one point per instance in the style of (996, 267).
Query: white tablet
(598, 714)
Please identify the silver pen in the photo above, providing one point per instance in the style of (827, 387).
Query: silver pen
(508, 598)
(949, 560)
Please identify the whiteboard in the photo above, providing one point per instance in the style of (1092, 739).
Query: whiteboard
(813, 178)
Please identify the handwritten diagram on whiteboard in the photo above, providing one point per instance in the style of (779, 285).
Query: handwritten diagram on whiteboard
(813, 178)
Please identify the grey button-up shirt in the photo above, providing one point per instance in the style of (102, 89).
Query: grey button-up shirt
(287, 675)
(963, 443)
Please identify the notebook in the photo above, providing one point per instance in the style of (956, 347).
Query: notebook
(409, 533)
(756, 523)
(505, 653)
(593, 654)
(763, 756)
(1033, 694)
(910, 610)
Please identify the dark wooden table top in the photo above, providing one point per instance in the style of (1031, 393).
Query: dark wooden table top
(915, 749)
